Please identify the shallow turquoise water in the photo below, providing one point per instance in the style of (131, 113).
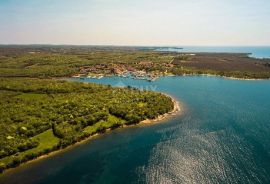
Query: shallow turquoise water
(223, 136)
(257, 52)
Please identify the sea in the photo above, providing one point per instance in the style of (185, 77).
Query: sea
(222, 135)
(253, 51)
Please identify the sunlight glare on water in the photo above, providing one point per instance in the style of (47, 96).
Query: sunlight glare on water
(222, 136)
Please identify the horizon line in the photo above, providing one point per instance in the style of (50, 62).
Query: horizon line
(122, 45)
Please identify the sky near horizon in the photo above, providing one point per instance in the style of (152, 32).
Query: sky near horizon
(135, 22)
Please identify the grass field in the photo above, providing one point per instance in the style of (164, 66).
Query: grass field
(47, 141)
(111, 122)
(42, 115)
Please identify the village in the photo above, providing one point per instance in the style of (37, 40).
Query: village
(144, 70)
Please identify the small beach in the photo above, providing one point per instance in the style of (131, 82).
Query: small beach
(160, 118)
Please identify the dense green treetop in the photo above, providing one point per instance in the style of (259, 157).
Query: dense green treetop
(31, 108)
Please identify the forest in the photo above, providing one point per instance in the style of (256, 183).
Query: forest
(42, 115)
(41, 111)
(41, 61)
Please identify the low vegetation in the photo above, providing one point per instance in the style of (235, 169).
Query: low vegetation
(39, 115)
(226, 64)
(66, 61)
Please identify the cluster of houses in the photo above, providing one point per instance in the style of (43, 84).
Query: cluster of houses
(123, 69)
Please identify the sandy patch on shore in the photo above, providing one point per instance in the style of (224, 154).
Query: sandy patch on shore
(160, 118)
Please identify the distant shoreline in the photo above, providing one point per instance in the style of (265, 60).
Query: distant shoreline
(199, 75)
(225, 77)
(160, 118)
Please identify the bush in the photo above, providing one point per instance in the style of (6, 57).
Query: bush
(2, 167)
(132, 118)
(101, 129)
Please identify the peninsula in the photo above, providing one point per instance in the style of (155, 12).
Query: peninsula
(40, 114)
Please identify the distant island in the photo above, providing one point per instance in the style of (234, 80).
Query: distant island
(42, 112)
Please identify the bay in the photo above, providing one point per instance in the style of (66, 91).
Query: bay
(221, 136)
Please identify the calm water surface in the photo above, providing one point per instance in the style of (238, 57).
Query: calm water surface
(223, 136)
(257, 52)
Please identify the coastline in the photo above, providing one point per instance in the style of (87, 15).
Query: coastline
(221, 76)
(233, 78)
(175, 111)
(160, 118)
(194, 74)
(164, 75)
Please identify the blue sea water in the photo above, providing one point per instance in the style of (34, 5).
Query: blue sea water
(222, 136)
(257, 52)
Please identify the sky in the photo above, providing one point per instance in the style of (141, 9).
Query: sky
(135, 22)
